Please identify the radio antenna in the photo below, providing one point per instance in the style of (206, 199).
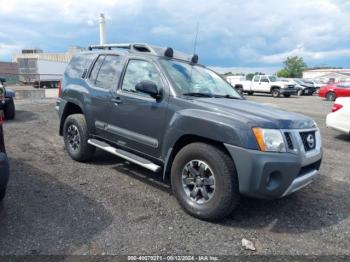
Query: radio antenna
(195, 39)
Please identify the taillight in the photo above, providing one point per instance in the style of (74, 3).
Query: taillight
(336, 107)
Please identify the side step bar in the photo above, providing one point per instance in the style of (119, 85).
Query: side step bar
(126, 155)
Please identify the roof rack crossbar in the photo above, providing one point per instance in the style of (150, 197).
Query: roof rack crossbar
(146, 48)
(110, 46)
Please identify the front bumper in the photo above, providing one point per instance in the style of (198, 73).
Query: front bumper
(273, 175)
(288, 91)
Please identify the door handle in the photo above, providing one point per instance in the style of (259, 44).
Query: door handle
(116, 101)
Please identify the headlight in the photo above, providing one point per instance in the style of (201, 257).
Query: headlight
(269, 139)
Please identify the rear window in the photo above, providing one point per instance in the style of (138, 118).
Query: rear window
(78, 64)
(344, 85)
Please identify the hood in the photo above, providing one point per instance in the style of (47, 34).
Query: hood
(281, 83)
(255, 114)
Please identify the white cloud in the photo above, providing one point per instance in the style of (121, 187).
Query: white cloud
(306, 54)
(163, 30)
(240, 32)
(9, 49)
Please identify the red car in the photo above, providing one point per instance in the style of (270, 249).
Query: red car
(335, 90)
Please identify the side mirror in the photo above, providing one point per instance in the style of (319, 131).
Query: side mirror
(148, 87)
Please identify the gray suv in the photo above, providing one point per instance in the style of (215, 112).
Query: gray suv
(160, 109)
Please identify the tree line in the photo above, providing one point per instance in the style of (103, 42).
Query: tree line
(293, 67)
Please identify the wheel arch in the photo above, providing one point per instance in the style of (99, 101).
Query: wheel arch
(185, 140)
(69, 109)
(274, 87)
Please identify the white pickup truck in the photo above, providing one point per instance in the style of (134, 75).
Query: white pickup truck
(263, 84)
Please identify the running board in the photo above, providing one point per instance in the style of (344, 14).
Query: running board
(124, 154)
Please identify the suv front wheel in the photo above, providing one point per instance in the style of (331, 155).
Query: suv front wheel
(204, 181)
(75, 134)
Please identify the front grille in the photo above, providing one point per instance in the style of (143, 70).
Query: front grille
(289, 140)
(309, 140)
(290, 86)
(309, 168)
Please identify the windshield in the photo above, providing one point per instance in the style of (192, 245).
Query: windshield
(273, 79)
(194, 79)
(298, 81)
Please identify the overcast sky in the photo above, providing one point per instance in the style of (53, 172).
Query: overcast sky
(247, 35)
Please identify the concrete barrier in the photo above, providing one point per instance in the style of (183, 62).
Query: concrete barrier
(29, 92)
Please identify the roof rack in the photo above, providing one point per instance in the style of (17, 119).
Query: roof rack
(145, 48)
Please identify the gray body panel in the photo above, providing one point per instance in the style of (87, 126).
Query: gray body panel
(151, 127)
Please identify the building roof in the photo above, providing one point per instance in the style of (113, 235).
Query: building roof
(347, 70)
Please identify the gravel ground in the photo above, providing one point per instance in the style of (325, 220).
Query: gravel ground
(57, 206)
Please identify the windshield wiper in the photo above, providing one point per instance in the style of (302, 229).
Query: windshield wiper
(231, 97)
(198, 94)
(226, 96)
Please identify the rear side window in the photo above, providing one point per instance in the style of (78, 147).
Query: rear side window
(78, 64)
(256, 78)
(109, 72)
(96, 69)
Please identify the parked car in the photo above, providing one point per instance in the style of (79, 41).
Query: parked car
(307, 87)
(7, 103)
(317, 84)
(265, 84)
(334, 90)
(291, 81)
(164, 112)
(339, 119)
(4, 164)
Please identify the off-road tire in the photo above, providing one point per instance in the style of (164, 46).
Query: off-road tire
(10, 110)
(84, 151)
(226, 195)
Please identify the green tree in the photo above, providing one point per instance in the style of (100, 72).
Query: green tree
(282, 73)
(293, 67)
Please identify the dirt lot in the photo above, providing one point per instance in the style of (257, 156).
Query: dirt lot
(57, 206)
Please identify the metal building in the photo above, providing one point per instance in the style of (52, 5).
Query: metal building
(328, 75)
(42, 69)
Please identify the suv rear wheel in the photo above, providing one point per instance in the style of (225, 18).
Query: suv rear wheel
(204, 181)
(75, 134)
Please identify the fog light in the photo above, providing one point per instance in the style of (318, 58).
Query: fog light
(273, 180)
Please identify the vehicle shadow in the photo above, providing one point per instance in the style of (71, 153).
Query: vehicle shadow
(309, 209)
(42, 215)
(343, 137)
(133, 171)
(314, 207)
(23, 116)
